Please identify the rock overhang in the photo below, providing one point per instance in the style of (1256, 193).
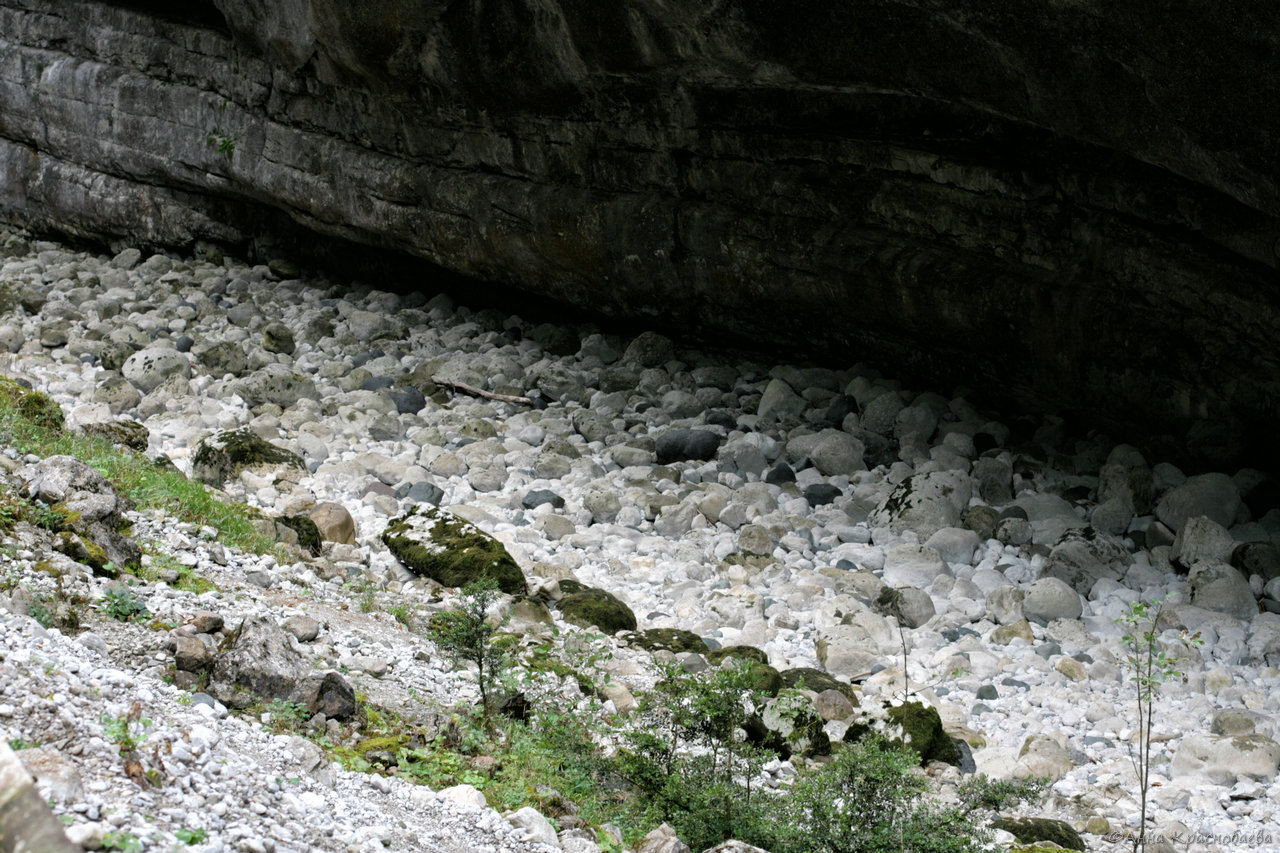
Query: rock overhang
(1070, 206)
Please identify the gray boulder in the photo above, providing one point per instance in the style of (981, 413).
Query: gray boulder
(1213, 495)
(1004, 604)
(680, 445)
(924, 503)
(878, 416)
(993, 478)
(1221, 588)
(1083, 557)
(1201, 540)
(1050, 598)
(780, 401)
(148, 368)
(955, 544)
(912, 565)
(912, 607)
(837, 452)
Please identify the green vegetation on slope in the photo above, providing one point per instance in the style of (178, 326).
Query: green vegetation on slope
(29, 424)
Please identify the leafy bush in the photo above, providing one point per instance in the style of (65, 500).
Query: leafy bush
(873, 799)
(122, 605)
(690, 757)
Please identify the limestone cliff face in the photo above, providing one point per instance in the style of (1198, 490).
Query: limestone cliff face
(1067, 202)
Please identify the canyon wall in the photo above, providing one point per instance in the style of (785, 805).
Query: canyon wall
(1064, 202)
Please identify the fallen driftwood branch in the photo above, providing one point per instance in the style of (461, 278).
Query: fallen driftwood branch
(479, 392)
(26, 824)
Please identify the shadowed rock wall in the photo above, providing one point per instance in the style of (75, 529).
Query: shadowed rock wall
(1067, 203)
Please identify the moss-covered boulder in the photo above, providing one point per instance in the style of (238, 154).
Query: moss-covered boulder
(223, 455)
(79, 501)
(308, 534)
(433, 543)
(675, 640)
(38, 408)
(745, 653)
(595, 607)
(764, 678)
(912, 725)
(124, 432)
(569, 586)
(1030, 830)
(817, 681)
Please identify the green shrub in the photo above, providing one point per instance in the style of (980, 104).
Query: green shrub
(872, 799)
(689, 756)
(466, 635)
(122, 605)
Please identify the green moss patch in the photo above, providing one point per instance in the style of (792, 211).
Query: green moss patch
(1030, 830)
(308, 534)
(747, 653)
(37, 408)
(453, 552)
(595, 607)
(674, 640)
(921, 732)
(223, 455)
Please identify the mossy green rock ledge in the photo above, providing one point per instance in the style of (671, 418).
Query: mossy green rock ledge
(224, 455)
(436, 544)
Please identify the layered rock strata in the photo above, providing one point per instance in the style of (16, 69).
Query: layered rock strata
(1072, 204)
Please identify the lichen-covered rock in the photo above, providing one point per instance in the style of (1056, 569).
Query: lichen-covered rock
(90, 508)
(223, 455)
(1224, 758)
(596, 607)
(451, 551)
(277, 384)
(148, 368)
(925, 503)
(223, 358)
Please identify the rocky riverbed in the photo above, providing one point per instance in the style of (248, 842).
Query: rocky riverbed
(829, 517)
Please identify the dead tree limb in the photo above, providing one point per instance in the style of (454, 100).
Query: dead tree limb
(478, 392)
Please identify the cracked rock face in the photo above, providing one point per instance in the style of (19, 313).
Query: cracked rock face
(1074, 205)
